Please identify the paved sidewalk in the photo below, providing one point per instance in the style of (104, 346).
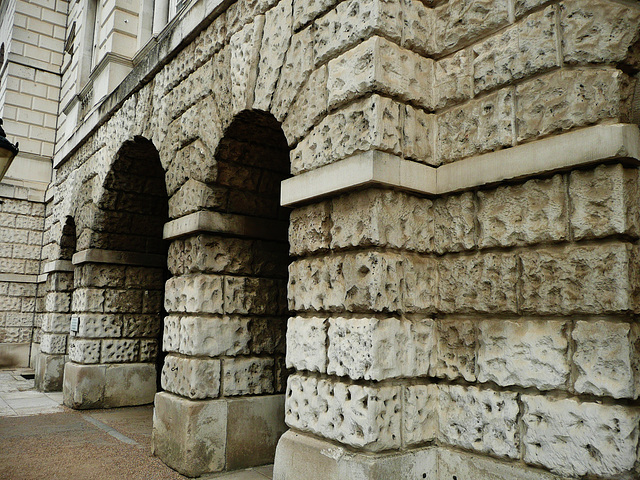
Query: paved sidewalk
(42, 439)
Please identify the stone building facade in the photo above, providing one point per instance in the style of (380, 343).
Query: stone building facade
(403, 231)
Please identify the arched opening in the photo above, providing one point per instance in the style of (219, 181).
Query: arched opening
(225, 333)
(119, 284)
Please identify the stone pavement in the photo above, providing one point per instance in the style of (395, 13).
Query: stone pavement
(42, 439)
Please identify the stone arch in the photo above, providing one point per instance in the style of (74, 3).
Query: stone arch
(226, 304)
(119, 281)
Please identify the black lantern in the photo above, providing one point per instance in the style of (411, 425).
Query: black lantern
(8, 151)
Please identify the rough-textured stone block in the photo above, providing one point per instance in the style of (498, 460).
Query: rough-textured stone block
(251, 295)
(526, 48)
(456, 342)
(245, 52)
(455, 218)
(119, 351)
(534, 212)
(305, 11)
(84, 351)
(575, 439)
(54, 302)
(478, 283)
(419, 414)
(382, 218)
(604, 201)
(309, 106)
(453, 79)
(579, 279)
(194, 294)
(361, 416)
(528, 353)
(247, 376)
(53, 343)
(480, 420)
(309, 228)
(214, 336)
(99, 326)
(567, 99)
(374, 349)
(307, 344)
(418, 285)
(598, 31)
(148, 350)
(171, 334)
(87, 300)
(418, 21)
(191, 377)
(607, 358)
(418, 136)
(478, 126)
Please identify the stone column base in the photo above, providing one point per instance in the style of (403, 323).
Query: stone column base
(203, 436)
(49, 372)
(107, 386)
(302, 456)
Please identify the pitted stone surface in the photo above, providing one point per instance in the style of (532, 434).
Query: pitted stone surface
(528, 353)
(119, 351)
(214, 336)
(420, 414)
(99, 326)
(366, 417)
(191, 377)
(455, 217)
(247, 376)
(456, 344)
(307, 344)
(84, 351)
(171, 334)
(575, 439)
(309, 228)
(194, 294)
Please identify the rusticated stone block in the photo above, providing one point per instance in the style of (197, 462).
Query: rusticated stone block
(275, 42)
(533, 212)
(526, 48)
(53, 343)
(374, 349)
(418, 135)
(579, 279)
(383, 67)
(456, 341)
(84, 351)
(576, 439)
(212, 254)
(247, 376)
(191, 377)
(122, 301)
(141, 325)
(245, 52)
(99, 275)
(305, 11)
(353, 21)
(268, 335)
(478, 283)
(148, 350)
(99, 326)
(455, 217)
(453, 79)
(251, 295)
(528, 353)
(119, 351)
(382, 218)
(307, 344)
(419, 414)
(418, 29)
(598, 31)
(566, 99)
(309, 106)
(56, 322)
(418, 284)
(480, 420)
(604, 201)
(309, 228)
(54, 302)
(366, 417)
(194, 294)
(214, 336)
(478, 126)
(607, 358)
(372, 123)
(87, 300)
(171, 334)
(193, 196)
(464, 21)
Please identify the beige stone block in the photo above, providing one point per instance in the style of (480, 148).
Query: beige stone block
(53, 343)
(478, 283)
(480, 420)
(119, 351)
(245, 53)
(309, 228)
(194, 378)
(384, 67)
(419, 284)
(309, 106)
(418, 136)
(377, 349)
(88, 300)
(193, 196)
(305, 11)
(49, 370)
(84, 351)
(566, 99)
(141, 325)
(478, 126)
(56, 322)
(195, 445)
(598, 31)
(194, 294)
(211, 254)
(579, 279)
(459, 23)
(418, 19)
(353, 21)
(372, 123)
(534, 212)
(275, 43)
(453, 79)
(148, 350)
(419, 414)
(247, 376)
(455, 218)
(604, 201)
(607, 358)
(122, 301)
(456, 344)
(366, 417)
(307, 344)
(528, 353)
(54, 302)
(98, 326)
(251, 295)
(129, 385)
(575, 439)
(214, 336)
(526, 48)
(84, 385)
(171, 334)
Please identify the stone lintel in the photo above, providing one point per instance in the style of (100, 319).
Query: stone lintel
(96, 255)
(58, 266)
(230, 224)
(582, 147)
(18, 278)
